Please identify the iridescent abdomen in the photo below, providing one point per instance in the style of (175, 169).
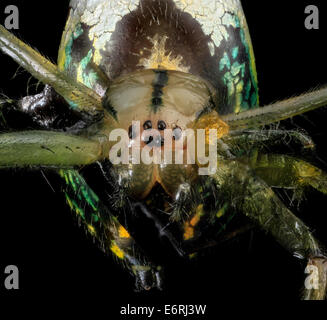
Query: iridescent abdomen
(209, 39)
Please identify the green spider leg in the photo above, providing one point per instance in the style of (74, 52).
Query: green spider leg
(62, 150)
(252, 196)
(283, 171)
(238, 141)
(278, 111)
(48, 149)
(111, 235)
(59, 150)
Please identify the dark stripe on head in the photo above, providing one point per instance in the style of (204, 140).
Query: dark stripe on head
(160, 80)
(108, 106)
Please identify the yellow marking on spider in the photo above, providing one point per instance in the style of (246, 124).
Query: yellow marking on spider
(91, 229)
(159, 59)
(195, 220)
(97, 57)
(69, 202)
(80, 71)
(61, 60)
(239, 90)
(199, 210)
(222, 129)
(220, 213)
(306, 170)
(189, 225)
(123, 233)
(78, 211)
(117, 251)
(211, 121)
(62, 52)
(188, 231)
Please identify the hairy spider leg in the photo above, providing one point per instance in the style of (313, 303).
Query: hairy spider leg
(278, 111)
(241, 140)
(252, 196)
(48, 149)
(54, 149)
(81, 98)
(111, 235)
(283, 171)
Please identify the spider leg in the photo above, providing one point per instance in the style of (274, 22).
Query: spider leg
(283, 171)
(278, 111)
(240, 140)
(48, 149)
(111, 235)
(257, 201)
(79, 97)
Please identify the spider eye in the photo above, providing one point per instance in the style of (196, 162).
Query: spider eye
(147, 125)
(161, 125)
(177, 133)
(131, 132)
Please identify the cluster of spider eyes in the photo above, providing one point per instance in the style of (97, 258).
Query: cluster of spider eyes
(161, 126)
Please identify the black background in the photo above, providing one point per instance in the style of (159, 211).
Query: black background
(55, 257)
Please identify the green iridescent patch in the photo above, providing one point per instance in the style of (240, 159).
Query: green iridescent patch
(238, 72)
(80, 188)
(235, 52)
(88, 78)
(255, 95)
(224, 62)
(68, 49)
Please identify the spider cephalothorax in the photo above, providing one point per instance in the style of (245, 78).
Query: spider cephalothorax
(151, 75)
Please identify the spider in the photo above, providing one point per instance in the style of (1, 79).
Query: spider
(160, 79)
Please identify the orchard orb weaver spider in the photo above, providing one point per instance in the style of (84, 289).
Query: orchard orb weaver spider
(149, 61)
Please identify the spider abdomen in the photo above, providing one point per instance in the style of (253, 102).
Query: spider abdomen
(106, 39)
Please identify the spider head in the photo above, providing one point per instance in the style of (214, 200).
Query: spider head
(158, 115)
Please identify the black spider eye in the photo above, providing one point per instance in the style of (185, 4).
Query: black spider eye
(131, 132)
(147, 125)
(161, 125)
(177, 133)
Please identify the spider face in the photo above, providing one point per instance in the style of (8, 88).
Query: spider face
(160, 113)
